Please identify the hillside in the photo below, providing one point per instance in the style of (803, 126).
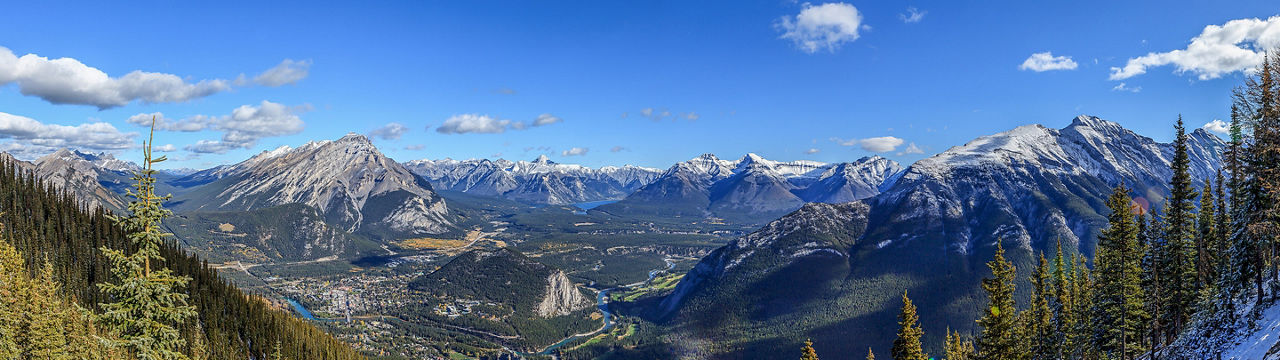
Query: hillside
(44, 225)
(505, 292)
(929, 233)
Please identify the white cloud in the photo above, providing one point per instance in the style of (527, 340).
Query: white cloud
(415, 147)
(190, 124)
(546, 119)
(1218, 126)
(473, 123)
(876, 144)
(692, 116)
(36, 136)
(288, 72)
(617, 149)
(1237, 45)
(822, 27)
(1045, 61)
(485, 124)
(812, 151)
(391, 131)
(577, 151)
(1125, 87)
(68, 81)
(247, 124)
(911, 150)
(912, 16)
(165, 148)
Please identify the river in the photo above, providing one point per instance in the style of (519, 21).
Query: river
(602, 303)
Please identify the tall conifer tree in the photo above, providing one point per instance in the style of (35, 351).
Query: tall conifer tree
(147, 306)
(999, 338)
(1119, 296)
(907, 345)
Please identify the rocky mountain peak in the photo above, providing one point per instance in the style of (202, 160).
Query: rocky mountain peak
(354, 138)
(543, 159)
(707, 157)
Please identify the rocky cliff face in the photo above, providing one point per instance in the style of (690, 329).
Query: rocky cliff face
(562, 297)
(85, 176)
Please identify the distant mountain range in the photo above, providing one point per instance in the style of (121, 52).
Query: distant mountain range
(541, 181)
(753, 189)
(836, 272)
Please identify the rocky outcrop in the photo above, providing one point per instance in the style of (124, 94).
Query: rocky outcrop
(562, 297)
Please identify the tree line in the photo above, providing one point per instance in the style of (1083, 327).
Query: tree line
(1208, 254)
(81, 283)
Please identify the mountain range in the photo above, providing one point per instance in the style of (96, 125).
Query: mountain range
(753, 189)
(541, 181)
(836, 272)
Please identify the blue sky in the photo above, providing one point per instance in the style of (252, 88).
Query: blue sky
(783, 79)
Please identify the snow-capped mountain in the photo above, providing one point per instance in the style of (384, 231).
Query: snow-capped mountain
(89, 176)
(349, 180)
(540, 181)
(1033, 184)
(753, 188)
(930, 232)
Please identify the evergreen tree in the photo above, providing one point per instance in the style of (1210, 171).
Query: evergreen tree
(999, 338)
(147, 304)
(45, 334)
(1040, 315)
(1063, 316)
(1119, 296)
(1265, 166)
(907, 345)
(1178, 253)
(11, 298)
(806, 352)
(1221, 223)
(870, 355)
(1082, 335)
(957, 347)
(1152, 242)
(1206, 239)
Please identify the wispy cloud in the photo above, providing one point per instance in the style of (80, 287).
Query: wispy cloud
(248, 123)
(911, 149)
(912, 15)
(390, 131)
(288, 72)
(1125, 87)
(576, 151)
(485, 124)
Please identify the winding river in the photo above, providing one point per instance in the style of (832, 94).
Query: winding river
(602, 303)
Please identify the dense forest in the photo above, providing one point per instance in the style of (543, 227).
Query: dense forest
(84, 283)
(1204, 262)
